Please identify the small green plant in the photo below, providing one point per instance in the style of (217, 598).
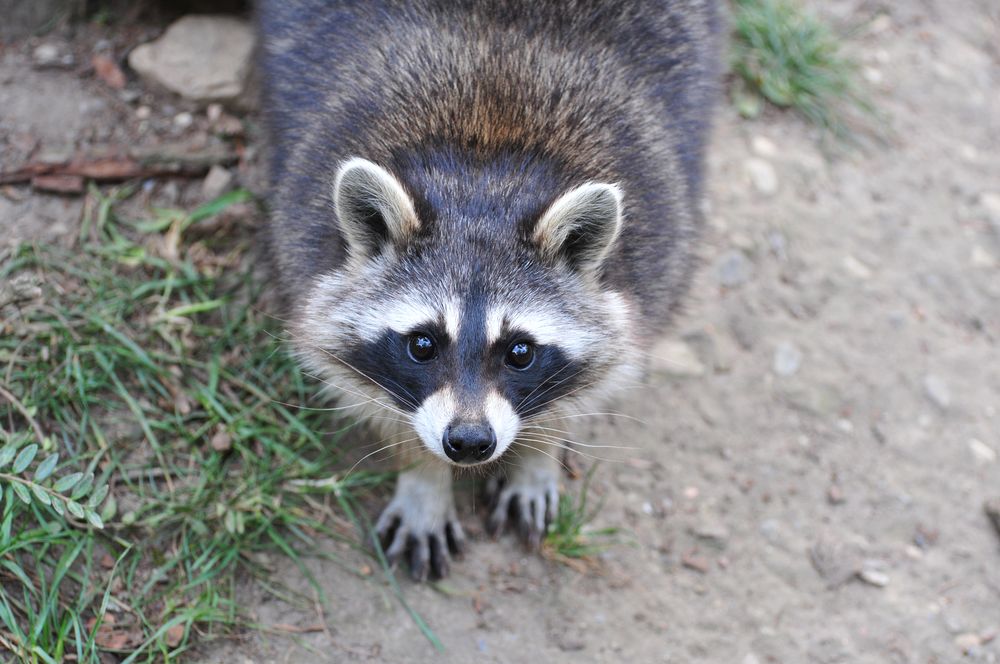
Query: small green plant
(64, 495)
(785, 55)
(570, 538)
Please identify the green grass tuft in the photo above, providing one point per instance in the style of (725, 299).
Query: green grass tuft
(789, 57)
(570, 537)
(146, 451)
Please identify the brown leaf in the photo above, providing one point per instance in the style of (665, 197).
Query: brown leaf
(174, 635)
(221, 441)
(698, 563)
(109, 638)
(108, 71)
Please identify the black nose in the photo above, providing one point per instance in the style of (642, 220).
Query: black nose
(469, 443)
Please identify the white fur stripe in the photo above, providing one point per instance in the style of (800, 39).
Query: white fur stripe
(403, 316)
(431, 419)
(503, 419)
(452, 317)
(546, 327)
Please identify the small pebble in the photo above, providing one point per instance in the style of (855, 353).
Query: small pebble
(713, 533)
(833, 561)
(763, 146)
(872, 75)
(937, 391)
(216, 182)
(733, 269)
(143, 112)
(46, 55)
(183, 120)
(982, 452)
(856, 268)
(787, 359)
(874, 577)
(762, 176)
(222, 441)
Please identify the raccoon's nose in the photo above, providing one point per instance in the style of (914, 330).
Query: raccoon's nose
(469, 443)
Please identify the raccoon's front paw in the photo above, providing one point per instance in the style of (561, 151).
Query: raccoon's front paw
(528, 497)
(420, 525)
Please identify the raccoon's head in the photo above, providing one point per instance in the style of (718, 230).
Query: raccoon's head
(468, 325)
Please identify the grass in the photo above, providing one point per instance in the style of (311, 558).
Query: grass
(570, 539)
(783, 54)
(145, 452)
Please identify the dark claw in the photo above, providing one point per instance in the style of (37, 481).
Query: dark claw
(418, 557)
(387, 534)
(439, 559)
(456, 541)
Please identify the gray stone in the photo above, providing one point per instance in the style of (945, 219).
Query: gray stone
(874, 577)
(856, 268)
(981, 452)
(733, 269)
(787, 359)
(714, 533)
(773, 532)
(834, 561)
(763, 146)
(762, 176)
(218, 180)
(937, 391)
(45, 55)
(200, 57)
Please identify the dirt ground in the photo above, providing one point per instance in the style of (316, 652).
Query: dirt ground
(809, 480)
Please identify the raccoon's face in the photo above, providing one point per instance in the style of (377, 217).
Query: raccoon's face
(467, 334)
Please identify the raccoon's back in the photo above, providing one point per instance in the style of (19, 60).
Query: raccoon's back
(610, 91)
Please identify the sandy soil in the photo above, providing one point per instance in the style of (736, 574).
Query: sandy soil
(839, 414)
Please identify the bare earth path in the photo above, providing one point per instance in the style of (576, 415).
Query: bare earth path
(841, 414)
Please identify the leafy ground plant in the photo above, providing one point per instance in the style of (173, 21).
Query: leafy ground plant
(785, 55)
(150, 438)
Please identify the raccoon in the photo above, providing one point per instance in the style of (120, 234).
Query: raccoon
(481, 214)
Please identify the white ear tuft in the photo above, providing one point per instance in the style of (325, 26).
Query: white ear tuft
(581, 226)
(373, 209)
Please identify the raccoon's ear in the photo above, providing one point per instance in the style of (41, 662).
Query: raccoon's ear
(373, 209)
(582, 225)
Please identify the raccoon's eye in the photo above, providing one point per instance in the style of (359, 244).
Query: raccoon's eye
(421, 347)
(520, 355)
